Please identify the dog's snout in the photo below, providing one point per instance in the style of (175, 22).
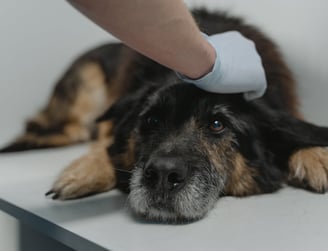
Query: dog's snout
(166, 173)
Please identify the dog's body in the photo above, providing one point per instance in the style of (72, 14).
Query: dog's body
(185, 147)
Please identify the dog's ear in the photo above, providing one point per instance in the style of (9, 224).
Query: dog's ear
(124, 115)
(119, 109)
(129, 105)
(287, 133)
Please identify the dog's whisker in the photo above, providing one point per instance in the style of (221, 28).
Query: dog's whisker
(123, 171)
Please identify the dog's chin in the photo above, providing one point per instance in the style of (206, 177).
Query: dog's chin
(189, 204)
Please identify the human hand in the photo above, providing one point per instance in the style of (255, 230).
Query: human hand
(238, 67)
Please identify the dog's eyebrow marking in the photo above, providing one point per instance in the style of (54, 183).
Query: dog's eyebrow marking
(149, 104)
(221, 109)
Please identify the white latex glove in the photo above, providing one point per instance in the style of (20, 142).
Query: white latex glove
(238, 67)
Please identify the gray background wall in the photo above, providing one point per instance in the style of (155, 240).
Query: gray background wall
(39, 38)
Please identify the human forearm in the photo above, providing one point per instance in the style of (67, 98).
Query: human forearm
(163, 30)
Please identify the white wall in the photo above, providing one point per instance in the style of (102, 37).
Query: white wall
(39, 38)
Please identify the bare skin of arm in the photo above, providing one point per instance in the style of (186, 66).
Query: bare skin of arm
(162, 30)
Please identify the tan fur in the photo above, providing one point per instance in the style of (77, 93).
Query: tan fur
(76, 132)
(309, 167)
(92, 173)
(241, 181)
(221, 154)
(39, 119)
(104, 130)
(127, 159)
(232, 165)
(91, 100)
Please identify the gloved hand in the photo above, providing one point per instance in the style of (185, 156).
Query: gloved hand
(237, 68)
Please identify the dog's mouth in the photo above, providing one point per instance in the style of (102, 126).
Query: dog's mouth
(175, 203)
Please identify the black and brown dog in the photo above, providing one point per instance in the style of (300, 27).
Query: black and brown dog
(184, 147)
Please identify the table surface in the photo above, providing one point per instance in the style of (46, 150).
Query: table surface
(290, 219)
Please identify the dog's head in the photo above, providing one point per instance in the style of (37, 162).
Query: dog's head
(191, 147)
(187, 146)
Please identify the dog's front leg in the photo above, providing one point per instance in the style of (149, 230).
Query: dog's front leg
(92, 173)
(308, 168)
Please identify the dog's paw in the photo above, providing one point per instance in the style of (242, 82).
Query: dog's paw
(308, 168)
(90, 174)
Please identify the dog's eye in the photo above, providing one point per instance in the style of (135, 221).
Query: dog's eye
(152, 121)
(216, 126)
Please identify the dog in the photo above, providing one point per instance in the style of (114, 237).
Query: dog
(175, 148)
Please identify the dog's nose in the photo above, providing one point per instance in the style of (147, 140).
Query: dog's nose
(165, 173)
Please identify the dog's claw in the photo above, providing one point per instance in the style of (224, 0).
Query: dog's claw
(49, 192)
(55, 196)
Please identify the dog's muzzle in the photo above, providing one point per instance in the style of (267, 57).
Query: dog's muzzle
(174, 188)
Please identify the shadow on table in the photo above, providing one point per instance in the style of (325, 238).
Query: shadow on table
(45, 236)
(30, 239)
